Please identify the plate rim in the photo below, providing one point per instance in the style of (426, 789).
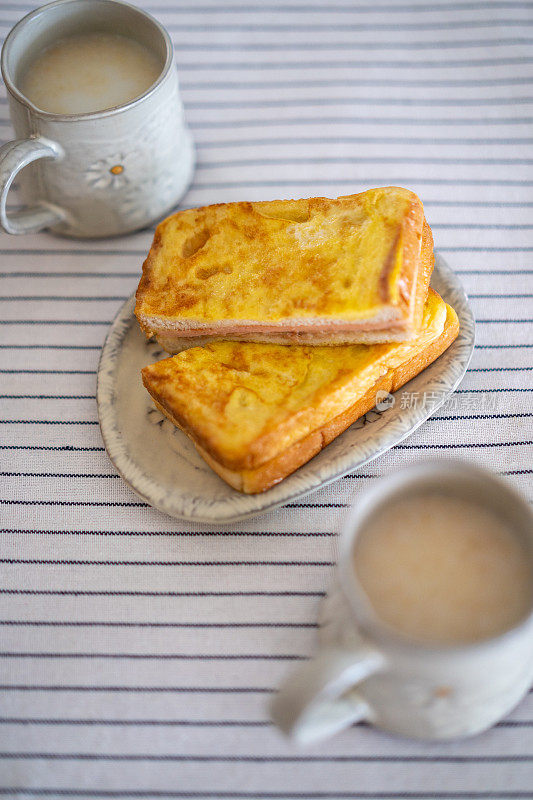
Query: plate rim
(106, 391)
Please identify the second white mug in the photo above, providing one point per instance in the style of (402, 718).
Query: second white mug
(366, 671)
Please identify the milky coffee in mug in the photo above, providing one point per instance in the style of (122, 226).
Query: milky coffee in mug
(92, 157)
(428, 631)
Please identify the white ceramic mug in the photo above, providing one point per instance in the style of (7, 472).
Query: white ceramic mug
(101, 173)
(367, 672)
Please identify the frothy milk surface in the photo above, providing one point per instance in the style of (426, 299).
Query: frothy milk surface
(89, 72)
(444, 570)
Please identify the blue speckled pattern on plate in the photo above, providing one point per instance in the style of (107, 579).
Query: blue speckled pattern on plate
(161, 464)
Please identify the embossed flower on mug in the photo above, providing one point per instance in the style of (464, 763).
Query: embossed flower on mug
(110, 172)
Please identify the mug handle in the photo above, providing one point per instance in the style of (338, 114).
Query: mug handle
(313, 703)
(14, 156)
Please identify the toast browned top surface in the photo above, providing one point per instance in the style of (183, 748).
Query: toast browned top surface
(244, 403)
(349, 259)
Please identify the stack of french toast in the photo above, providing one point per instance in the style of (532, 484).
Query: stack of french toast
(287, 318)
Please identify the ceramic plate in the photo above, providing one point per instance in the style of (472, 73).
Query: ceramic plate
(161, 465)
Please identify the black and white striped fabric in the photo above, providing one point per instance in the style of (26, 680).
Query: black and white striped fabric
(137, 653)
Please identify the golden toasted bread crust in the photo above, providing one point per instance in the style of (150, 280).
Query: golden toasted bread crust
(407, 247)
(191, 287)
(272, 472)
(425, 269)
(276, 452)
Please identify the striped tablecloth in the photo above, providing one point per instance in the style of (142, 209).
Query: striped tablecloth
(137, 653)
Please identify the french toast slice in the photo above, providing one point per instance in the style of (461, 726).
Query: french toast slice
(256, 412)
(316, 271)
